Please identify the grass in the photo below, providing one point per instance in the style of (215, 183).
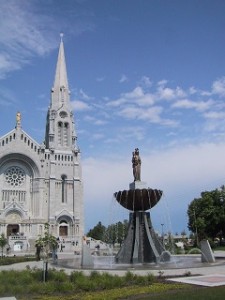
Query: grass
(222, 248)
(28, 284)
(193, 293)
(159, 291)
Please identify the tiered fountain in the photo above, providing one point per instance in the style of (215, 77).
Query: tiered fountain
(141, 247)
(141, 244)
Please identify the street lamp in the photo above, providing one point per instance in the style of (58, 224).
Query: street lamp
(196, 229)
(162, 235)
(222, 202)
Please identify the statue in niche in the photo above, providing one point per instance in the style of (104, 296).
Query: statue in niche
(136, 164)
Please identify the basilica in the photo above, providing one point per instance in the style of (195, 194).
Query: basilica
(42, 183)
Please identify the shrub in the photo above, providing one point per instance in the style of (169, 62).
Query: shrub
(74, 276)
(15, 259)
(57, 276)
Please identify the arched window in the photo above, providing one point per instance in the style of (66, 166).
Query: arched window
(64, 188)
(66, 134)
(60, 133)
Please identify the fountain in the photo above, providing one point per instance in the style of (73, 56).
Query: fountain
(141, 249)
(141, 244)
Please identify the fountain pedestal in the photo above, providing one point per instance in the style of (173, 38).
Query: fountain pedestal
(141, 244)
(137, 185)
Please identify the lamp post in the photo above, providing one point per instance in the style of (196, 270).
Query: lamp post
(162, 235)
(196, 228)
(222, 202)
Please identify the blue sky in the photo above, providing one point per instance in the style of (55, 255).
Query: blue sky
(142, 73)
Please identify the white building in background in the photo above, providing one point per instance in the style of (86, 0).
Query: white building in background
(43, 183)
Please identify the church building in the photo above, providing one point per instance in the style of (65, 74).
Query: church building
(42, 183)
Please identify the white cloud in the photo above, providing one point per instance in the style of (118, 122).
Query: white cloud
(137, 95)
(116, 103)
(162, 82)
(166, 93)
(31, 28)
(188, 104)
(215, 115)
(123, 79)
(205, 93)
(145, 81)
(78, 105)
(94, 120)
(182, 173)
(83, 95)
(192, 90)
(22, 34)
(180, 92)
(152, 115)
(218, 87)
(146, 100)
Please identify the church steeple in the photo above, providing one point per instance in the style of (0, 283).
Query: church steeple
(60, 132)
(60, 90)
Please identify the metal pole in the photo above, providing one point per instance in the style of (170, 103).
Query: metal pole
(196, 229)
(162, 235)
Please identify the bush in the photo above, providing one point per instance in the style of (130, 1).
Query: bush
(57, 276)
(15, 259)
(74, 276)
(28, 283)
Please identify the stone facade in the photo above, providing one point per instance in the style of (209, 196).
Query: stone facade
(42, 183)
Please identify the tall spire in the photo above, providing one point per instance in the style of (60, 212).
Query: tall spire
(60, 88)
(60, 129)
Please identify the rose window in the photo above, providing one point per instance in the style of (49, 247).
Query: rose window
(15, 176)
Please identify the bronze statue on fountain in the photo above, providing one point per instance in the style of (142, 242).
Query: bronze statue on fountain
(141, 244)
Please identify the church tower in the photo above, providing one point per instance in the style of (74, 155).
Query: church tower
(60, 131)
(63, 171)
(42, 183)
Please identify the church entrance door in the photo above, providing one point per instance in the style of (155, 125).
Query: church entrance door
(63, 230)
(12, 229)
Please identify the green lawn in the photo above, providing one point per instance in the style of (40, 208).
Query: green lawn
(28, 284)
(156, 291)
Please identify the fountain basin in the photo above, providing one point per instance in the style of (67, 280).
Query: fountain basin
(108, 263)
(138, 199)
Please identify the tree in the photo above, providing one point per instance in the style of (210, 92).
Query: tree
(3, 242)
(207, 215)
(98, 232)
(46, 245)
(114, 233)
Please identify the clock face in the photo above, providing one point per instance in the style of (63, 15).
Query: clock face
(63, 114)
